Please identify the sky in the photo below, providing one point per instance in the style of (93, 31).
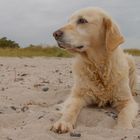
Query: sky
(34, 21)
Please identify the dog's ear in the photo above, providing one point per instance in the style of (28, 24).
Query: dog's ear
(113, 36)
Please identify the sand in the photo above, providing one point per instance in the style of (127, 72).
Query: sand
(31, 93)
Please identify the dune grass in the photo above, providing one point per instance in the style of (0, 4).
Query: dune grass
(135, 52)
(48, 52)
(34, 52)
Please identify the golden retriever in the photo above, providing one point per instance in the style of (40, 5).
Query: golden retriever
(103, 73)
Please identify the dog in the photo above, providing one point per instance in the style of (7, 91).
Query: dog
(103, 73)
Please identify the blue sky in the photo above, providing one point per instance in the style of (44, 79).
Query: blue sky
(33, 21)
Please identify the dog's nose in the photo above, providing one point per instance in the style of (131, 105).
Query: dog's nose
(58, 34)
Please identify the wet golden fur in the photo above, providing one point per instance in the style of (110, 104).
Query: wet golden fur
(102, 72)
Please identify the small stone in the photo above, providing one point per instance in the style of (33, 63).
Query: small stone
(59, 102)
(38, 85)
(57, 108)
(111, 114)
(25, 108)
(25, 65)
(73, 134)
(71, 71)
(56, 70)
(8, 138)
(125, 137)
(40, 117)
(3, 89)
(51, 119)
(45, 89)
(13, 107)
(24, 74)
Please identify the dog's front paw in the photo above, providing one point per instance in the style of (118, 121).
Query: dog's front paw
(62, 127)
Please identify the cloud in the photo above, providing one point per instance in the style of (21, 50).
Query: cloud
(33, 21)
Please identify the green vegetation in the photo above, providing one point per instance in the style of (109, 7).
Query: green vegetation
(135, 52)
(5, 43)
(9, 48)
(33, 51)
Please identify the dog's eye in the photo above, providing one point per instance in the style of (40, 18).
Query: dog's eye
(82, 21)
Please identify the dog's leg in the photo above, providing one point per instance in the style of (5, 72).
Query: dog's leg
(127, 114)
(72, 108)
(132, 78)
(132, 74)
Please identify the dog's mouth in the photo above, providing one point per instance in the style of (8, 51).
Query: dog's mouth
(69, 47)
(63, 45)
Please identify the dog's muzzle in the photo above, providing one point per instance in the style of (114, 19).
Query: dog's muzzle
(58, 34)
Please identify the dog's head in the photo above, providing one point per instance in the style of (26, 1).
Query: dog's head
(89, 29)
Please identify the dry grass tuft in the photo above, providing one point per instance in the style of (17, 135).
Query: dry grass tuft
(135, 52)
(34, 52)
(48, 52)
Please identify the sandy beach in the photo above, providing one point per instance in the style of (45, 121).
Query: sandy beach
(31, 93)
